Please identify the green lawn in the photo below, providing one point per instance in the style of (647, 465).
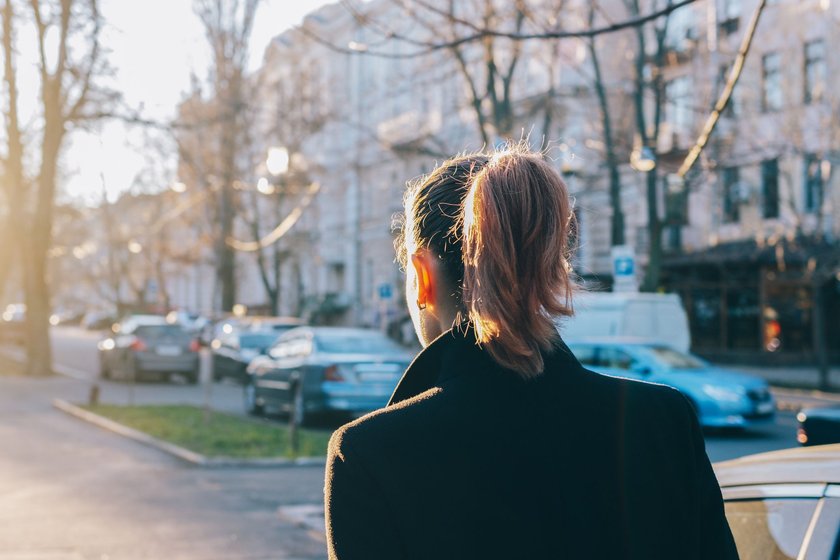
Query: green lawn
(222, 435)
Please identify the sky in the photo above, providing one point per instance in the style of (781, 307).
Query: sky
(154, 47)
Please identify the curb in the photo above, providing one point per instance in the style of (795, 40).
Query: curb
(191, 457)
(790, 392)
(794, 400)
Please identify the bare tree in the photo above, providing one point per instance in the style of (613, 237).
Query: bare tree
(617, 233)
(69, 63)
(293, 106)
(227, 27)
(648, 98)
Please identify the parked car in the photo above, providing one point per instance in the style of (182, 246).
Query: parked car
(218, 326)
(818, 426)
(66, 317)
(192, 322)
(98, 320)
(12, 326)
(721, 398)
(146, 345)
(316, 370)
(277, 324)
(654, 317)
(784, 504)
(231, 353)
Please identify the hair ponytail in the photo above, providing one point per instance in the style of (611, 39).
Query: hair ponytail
(515, 241)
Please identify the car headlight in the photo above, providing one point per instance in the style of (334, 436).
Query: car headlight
(107, 344)
(724, 394)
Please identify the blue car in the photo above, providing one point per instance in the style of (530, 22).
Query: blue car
(721, 398)
(314, 371)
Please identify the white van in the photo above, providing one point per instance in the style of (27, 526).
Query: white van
(656, 318)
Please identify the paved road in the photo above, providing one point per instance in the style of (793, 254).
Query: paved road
(69, 491)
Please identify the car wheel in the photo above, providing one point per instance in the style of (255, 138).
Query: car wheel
(252, 404)
(191, 377)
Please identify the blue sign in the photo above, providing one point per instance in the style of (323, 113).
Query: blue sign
(386, 291)
(624, 266)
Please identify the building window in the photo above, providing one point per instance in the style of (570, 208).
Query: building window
(730, 16)
(813, 184)
(771, 94)
(814, 71)
(677, 106)
(731, 9)
(770, 187)
(680, 33)
(731, 196)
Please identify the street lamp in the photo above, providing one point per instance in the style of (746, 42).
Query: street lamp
(135, 247)
(643, 159)
(277, 161)
(265, 187)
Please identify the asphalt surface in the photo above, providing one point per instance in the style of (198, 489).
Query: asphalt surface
(69, 490)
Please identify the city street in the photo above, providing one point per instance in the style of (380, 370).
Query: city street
(75, 350)
(73, 491)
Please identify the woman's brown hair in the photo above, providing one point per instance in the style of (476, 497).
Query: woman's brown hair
(500, 224)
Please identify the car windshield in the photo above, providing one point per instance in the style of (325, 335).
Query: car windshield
(374, 343)
(159, 331)
(257, 340)
(674, 359)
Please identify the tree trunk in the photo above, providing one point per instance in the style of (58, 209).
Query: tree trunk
(38, 347)
(654, 267)
(617, 221)
(227, 258)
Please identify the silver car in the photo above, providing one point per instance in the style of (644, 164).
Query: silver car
(315, 370)
(148, 345)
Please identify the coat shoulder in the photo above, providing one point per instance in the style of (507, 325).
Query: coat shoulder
(386, 425)
(643, 397)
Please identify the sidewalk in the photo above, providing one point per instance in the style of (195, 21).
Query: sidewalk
(791, 377)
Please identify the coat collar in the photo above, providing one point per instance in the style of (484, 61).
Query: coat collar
(457, 351)
(427, 368)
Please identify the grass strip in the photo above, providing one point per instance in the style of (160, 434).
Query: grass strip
(216, 435)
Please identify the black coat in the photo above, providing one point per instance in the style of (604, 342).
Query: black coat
(471, 461)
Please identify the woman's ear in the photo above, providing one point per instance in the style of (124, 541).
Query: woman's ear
(425, 285)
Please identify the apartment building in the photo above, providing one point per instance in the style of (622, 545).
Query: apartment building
(749, 237)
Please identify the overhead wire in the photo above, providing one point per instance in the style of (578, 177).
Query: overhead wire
(428, 48)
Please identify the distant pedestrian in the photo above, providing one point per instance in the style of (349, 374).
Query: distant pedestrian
(497, 443)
